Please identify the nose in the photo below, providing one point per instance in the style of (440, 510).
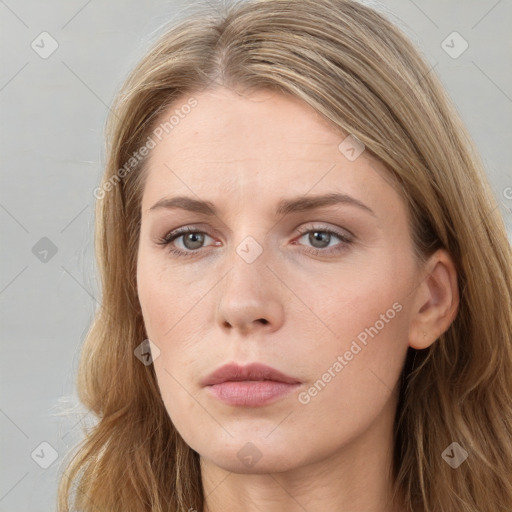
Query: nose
(250, 298)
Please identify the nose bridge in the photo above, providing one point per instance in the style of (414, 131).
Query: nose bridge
(250, 293)
(249, 275)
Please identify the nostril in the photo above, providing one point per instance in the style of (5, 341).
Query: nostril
(263, 320)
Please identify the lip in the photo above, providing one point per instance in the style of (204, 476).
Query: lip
(252, 385)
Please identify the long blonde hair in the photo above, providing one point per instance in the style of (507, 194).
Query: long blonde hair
(357, 70)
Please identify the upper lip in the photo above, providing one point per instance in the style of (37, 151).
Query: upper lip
(253, 371)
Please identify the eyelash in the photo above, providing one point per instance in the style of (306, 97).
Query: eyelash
(173, 235)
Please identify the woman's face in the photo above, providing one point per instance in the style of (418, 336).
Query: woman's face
(318, 290)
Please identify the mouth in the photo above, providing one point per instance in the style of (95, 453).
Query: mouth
(253, 385)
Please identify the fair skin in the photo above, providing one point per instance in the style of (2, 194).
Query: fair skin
(289, 308)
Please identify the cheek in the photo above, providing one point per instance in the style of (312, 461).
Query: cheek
(167, 297)
(173, 307)
(360, 300)
(365, 339)
(166, 308)
(354, 369)
(152, 298)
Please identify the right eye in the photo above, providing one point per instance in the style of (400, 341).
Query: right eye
(192, 240)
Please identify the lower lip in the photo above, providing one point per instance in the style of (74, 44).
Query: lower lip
(251, 393)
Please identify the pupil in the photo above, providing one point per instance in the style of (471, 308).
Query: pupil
(195, 239)
(320, 236)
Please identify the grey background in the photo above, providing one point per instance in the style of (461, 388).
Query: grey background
(53, 112)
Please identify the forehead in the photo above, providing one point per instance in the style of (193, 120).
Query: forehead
(254, 147)
(264, 124)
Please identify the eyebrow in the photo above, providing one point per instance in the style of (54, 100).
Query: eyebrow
(285, 206)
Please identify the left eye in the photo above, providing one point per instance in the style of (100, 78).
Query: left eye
(321, 238)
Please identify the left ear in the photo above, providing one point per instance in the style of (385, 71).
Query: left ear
(436, 301)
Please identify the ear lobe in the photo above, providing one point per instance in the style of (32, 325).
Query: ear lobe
(436, 301)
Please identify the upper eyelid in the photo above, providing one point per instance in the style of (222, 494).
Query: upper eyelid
(328, 229)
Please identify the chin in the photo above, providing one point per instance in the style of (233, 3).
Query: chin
(238, 460)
